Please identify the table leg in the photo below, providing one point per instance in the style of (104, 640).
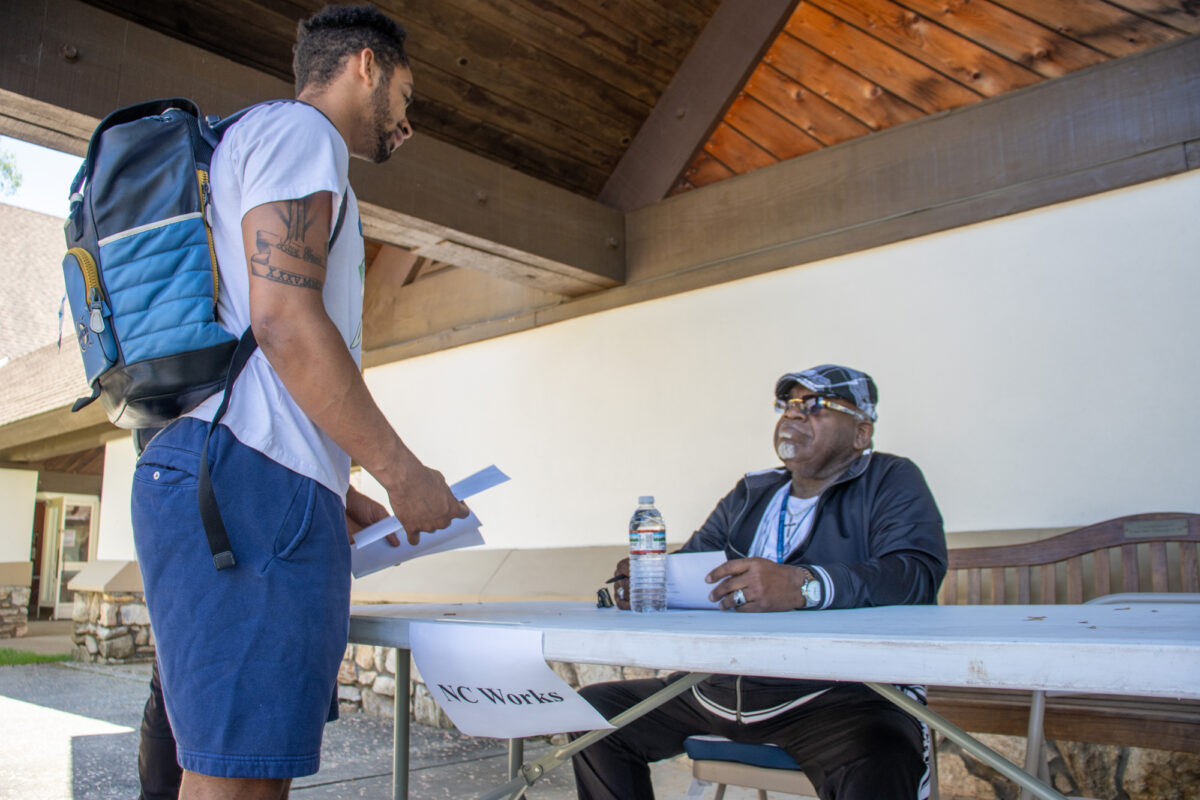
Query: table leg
(967, 742)
(530, 773)
(400, 728)
(516, 756)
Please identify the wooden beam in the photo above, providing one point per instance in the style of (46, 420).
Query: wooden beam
(55, 433)
(725, 53)
(437, 303)
(1111, 125)
(69, 483)
(63, 65)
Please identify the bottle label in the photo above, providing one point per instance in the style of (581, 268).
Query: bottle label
(647, 542)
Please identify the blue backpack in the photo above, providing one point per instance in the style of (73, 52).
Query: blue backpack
(141, 273)
(140, 269)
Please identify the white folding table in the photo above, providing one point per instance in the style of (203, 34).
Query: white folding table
(1146, 650)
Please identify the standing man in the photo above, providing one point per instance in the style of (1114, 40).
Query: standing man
(840, 526)
(249, 654)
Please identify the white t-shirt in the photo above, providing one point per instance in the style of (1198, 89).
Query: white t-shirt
(797, 525)
(283, 151)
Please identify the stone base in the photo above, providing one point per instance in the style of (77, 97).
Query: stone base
(1077, 769)
(112, 628)
(14, 611)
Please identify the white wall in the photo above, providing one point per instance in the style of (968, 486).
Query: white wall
(1040, 368)
(18, 495)
(116, 528)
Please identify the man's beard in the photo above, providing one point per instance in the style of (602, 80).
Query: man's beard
(381, 125)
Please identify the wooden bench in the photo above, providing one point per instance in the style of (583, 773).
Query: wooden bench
(1143, 553)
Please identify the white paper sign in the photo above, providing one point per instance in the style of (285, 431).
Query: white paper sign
(492, 680)
(685, 579)
(371, 551)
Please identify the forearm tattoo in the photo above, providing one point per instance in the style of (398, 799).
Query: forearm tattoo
(274, 253)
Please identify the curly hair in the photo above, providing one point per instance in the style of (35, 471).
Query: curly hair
(325, 40)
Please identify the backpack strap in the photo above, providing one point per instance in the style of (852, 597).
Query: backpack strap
(210, 513)
(337, 226)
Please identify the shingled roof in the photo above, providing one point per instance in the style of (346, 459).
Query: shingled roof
(41, 380)
(31, 250)
(35, 374)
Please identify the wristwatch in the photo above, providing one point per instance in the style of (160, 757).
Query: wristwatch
(811, 589)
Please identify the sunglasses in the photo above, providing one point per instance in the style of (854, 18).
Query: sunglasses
(811, 405)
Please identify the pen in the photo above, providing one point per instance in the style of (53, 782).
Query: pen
(616, 578)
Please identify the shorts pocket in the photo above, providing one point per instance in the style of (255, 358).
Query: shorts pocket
(297, 520)
(166, 466)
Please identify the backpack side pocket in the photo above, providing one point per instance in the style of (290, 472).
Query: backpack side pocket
(91, 315)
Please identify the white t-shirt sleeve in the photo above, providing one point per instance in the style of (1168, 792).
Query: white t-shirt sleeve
(288, 151)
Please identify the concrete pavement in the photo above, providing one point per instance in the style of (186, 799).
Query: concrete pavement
(69, 731)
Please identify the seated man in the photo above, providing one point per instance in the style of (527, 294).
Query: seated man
(839, 527)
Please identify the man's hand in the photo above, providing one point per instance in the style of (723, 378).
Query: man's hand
(621, 585)
(767, 586)
(362, 511)
(424, 503)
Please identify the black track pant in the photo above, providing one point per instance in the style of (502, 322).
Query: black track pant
(158, 771)
(852, 743)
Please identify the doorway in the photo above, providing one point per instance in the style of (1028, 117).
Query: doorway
(67, 542)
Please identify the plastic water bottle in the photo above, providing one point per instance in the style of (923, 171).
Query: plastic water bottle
(647, 558)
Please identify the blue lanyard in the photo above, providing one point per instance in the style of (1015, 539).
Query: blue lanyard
(780, 538)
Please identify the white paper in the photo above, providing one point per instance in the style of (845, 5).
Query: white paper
(685, 579)
(372, 552)
(380, 554)
(494, 681)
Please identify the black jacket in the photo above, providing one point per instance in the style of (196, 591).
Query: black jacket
(877, 539)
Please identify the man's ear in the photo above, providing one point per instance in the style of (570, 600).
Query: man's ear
(365, 65)
(862, 435)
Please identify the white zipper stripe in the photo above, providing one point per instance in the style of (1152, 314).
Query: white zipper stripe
(162, 223)
(750, 717)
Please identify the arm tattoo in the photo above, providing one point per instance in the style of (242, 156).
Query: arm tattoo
(271, 249)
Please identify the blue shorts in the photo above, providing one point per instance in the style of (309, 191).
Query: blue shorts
(249, 655)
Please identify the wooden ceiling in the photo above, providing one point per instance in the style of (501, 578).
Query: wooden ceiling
(83, 462)
(841, 69)
(555, 88)
(558, 89)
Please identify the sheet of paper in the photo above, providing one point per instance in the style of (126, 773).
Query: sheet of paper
(380, 554)
(372, 552)
(685, 579)
(494, 681)
(482, 480)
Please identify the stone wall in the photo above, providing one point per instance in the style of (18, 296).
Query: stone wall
(112, 628)
(367, 682)
(14, 611)
(1077, 769)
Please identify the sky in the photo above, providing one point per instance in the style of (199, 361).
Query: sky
(45, 177)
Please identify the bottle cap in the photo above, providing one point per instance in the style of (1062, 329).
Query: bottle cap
(646, 500)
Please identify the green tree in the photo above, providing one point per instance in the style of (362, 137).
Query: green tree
(10, 176)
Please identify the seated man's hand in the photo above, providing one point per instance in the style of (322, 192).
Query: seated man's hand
(767, 586)
(621, 584)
